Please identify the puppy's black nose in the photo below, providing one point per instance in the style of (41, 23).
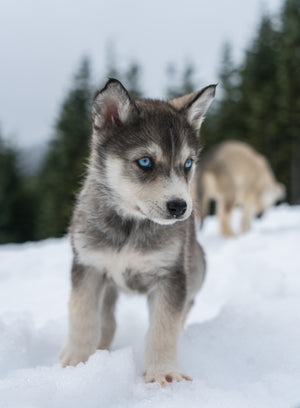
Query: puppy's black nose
(176, 207)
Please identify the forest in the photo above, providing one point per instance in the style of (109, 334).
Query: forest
(258, 101)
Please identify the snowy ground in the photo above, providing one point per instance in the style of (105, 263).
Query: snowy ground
(241, 343)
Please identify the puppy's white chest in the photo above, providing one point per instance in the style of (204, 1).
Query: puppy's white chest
(130, 269)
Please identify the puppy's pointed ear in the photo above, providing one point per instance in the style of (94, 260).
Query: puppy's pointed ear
(112, 106)
(195, 105)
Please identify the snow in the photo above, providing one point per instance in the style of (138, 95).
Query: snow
(240, 343)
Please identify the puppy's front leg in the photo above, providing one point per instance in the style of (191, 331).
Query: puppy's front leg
(166, 309)
(84, 315)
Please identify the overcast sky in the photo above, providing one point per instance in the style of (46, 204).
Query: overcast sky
(43, 41)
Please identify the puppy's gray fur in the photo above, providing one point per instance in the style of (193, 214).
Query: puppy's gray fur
(123, 234)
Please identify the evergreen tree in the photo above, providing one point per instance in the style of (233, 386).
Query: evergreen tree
(64, 165)
(112, 69)
(250, 108)
(180, 83)
(289, 85)
(270, 101)
(260, 91)
(131, 78)
(223, 120)
(16, 209)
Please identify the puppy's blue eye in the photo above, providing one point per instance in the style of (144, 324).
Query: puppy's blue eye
(145, 163)
(188, 164)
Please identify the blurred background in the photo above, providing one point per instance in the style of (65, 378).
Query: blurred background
(55, 54)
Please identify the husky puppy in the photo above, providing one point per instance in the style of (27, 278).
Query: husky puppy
(133, 227)
(233, 173)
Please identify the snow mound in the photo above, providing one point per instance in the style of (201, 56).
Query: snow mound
(240, 344)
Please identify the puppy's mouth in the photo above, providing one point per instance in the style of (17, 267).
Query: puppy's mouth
(168, 220)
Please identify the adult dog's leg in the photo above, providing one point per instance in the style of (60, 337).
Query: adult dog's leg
(84, 318)
(224, 211)
(249, 209)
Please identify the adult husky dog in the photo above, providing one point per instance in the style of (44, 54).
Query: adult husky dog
(133, 226)
(233, 173)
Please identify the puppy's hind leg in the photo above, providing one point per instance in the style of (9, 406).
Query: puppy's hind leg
(107, 316)
(195, 278)
(84, 319)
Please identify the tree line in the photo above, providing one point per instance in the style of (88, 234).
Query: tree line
(258, 102)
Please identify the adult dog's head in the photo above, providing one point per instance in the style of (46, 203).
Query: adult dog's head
(144, 151)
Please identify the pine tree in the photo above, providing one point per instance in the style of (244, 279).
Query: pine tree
(132, 78)
(249, 109)
(64, 165)
(112, 68)
(289, 83)
(180, 83)
(16, 209)
(260, 91)
(224, 121)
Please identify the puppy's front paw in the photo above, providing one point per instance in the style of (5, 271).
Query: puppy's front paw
(163, 378)
(70, 357)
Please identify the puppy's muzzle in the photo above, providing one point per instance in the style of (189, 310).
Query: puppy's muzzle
(176, 207)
